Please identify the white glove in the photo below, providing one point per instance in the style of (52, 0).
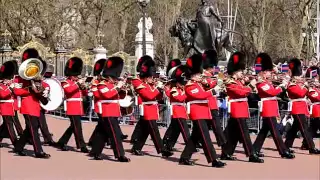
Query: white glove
(160, 85)
(12, 85)
(120, 84)
(45, 93)
(81, 81)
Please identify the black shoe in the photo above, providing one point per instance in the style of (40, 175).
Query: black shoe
(97, 157)
(259, 154)
(304, 147)
(227, 157)
(186, 162)
(123, 159)
(89, 144)
(255, 159)
(62, 147)
(166, 153)
(50, 143)
(137, 152)
(314, 151)
(291, 151)
(288, 155)
(218, 164)
(84, 150)
(1, 146)
(123, 137)
(43, 155)
(20, 153)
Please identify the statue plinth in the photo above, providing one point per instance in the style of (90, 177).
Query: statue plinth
(99, 53)
(149, 39)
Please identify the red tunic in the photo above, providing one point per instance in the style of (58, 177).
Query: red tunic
(269, 103)
(314, 96)
(73, 95)
(148, 95)
(211, 84)
(197, 101)
(6, 101)
(109, 100)
(237, 102)
(136, 82)
(177, 98)
(297, 93)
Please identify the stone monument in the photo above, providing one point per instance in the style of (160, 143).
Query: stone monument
(99, 52)
(149, 39)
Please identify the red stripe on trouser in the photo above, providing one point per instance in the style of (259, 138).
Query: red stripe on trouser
(9, 130)
(75, 131)
(154, 135)
(274, 133)
(114, 136)
(184, 134)
(31, 132)
(204, 140)
(243, 136)
(302, 129)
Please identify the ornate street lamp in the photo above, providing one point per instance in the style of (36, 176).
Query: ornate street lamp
(6, 49)
(143, 6)
(60, 59)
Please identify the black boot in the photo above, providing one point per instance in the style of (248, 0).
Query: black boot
(255, 159)
(62, 147)
(123, 159)
(291, 151)
(50, 143)
(259, 154)
(166, 153)
(1, 146)
(227, 157)
(314, 151)
(287, 155)
(136, 152)
(84, 150)
(186, 162)
(42, 155)
(218, 164)
(124, 137)
(304, 147)
(20, 153)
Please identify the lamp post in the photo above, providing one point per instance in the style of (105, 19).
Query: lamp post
(59, 50)
(6, 48)
(143, 5)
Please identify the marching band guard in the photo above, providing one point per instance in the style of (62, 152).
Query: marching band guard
(176, 94)
(298, 107)
(210, 60)
(31, 95)
(7, 101)
(73, 87)
(149, 92)
(199, 111)
(237, 128)
(109, 109)
(268, 106)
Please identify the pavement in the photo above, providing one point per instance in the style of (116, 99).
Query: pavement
(76, 165)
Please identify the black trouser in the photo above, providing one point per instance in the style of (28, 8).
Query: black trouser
(299, 123)
(176, 127)
(148, 127)
(237, 131)
(17, 124)
(200, 133)
(313, 128)
(269, 125)
(108, 129)
(7, 129)
(31, 132)
(137, 130)
(44, 127)
(75, 128)
(215, 123)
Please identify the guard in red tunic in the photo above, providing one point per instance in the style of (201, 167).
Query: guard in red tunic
(298, 106)
(199, 111)
(109, 108)
(73, 90)
(177, 96)
(30, 108)
(237, 128)
(149, 93)
(210, 61)
(268, 106)
(98, 68)
(7, 101)
(313, 75)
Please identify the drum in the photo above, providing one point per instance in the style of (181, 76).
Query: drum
(55, 96)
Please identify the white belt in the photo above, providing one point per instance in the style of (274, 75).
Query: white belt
(175, 104)
(19, 101)
(195, 102)
(235, 100)
(311, 107)
(260, 103)
(141, 110)
(7, 101)
(295, 100)
(104, 102)
(70, 100)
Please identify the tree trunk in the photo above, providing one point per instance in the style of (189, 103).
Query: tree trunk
(175, 44)
(123, 28)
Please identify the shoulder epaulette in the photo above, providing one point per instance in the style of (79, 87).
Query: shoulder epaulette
(230, 81)
(141, 86)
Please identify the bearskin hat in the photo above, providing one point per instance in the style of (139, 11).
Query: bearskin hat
(173, 63)
(113, 67)
(236, 62)
(312, 72)
(210, 59)
(194, 64)
(73, 67)
(99, 66)
(142, 60)
(266, 62)
(148, 68)
(30, 53)
(8, 69)
(178, 74)
(295, 66)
